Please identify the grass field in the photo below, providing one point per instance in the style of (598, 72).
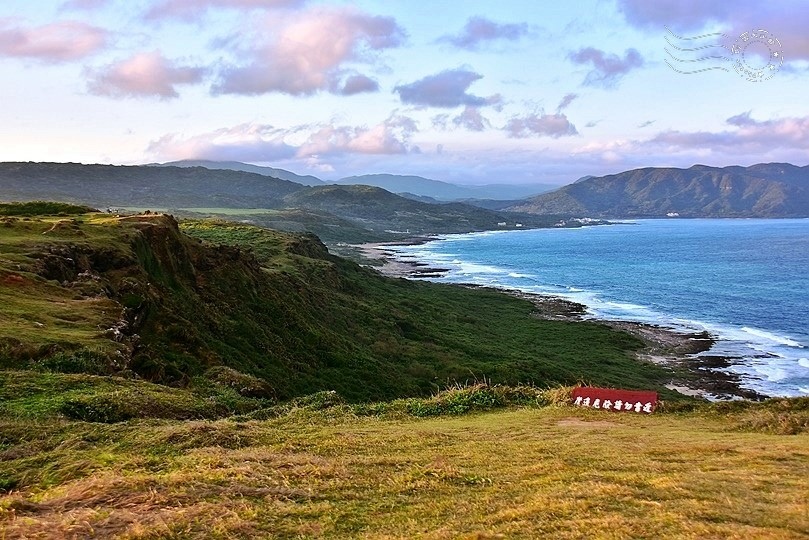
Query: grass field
(551, 472)
(218, 380)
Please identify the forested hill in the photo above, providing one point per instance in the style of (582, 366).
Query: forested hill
(335, 213)
(763, 190)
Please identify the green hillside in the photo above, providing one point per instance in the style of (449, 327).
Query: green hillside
(143, 296)
(334, 213)
(208, 379)
(763, 190)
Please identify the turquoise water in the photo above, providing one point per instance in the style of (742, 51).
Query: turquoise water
(745, 281)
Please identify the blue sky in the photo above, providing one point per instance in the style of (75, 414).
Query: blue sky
(462, 91)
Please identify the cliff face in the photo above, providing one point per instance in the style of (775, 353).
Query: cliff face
(765, 190)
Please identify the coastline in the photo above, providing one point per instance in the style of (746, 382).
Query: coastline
(662, 345)
(389, 264)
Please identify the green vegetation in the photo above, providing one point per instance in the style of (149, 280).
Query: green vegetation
(217, 380)
(335, 213)
(42, 208)
(771, 190)
(138, 296)
(328, 470)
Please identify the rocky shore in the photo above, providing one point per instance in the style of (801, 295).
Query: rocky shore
(695, 373)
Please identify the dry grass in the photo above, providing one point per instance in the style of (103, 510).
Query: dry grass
(555, 472)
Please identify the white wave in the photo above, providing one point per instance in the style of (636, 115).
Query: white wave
(519, 275)
(624, 305)
(804, 362)
(782, 340)
(472, 268)
(772, 373)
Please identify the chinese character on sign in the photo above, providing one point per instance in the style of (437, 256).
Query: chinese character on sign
(637, 401)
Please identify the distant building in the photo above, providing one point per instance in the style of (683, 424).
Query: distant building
(518, 224)
(501, 223)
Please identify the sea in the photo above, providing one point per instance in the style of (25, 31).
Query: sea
(745, 281)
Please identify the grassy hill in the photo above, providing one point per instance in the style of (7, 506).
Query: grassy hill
(382, 210)
(141, 186)
(721, 471)
(143, 296)
(216, 380)
(306, 180)
(763, 190)
(335, 213)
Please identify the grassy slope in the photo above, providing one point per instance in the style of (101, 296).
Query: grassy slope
(314, 467)
(286, 312)
(553, 472)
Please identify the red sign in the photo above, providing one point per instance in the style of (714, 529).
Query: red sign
(639, 401)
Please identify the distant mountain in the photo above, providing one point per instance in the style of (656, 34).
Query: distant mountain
(445, 191)
(763, 190)
(334, 212)
(380, 209)
(141, 186)
(283, 174)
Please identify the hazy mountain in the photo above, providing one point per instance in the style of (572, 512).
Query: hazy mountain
(335, 212)
(380, 209)
(445, 191)
(283, 174)
(763, 190)
(141, 186)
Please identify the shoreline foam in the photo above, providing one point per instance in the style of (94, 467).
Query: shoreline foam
(678, 348)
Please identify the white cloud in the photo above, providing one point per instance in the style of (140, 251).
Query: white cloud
(307, 52)
(62, 41)
(143, 75)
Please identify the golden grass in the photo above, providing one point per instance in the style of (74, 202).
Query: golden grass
(556, 472)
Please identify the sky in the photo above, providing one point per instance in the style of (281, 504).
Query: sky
(462, 91)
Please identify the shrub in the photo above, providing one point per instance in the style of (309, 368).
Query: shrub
(81, 361)
(241, 383)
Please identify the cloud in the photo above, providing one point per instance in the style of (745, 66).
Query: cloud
(471, 119)
(479, 30)
(244, 142)
(84, 4)
(62, 41)
(608, 69)
(646, 123)
(446, 89)
(541, 124)
(265, 143)
(389, 137)
(566, 101)
(192, 10)
(305, 52)
(750, 136)
(356, 84)
(786, 19)
(143, 75)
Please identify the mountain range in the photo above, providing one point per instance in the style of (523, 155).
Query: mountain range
(445, 191)
(333, 212)
(762, 190)
(425, 188)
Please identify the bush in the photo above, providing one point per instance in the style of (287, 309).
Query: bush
(241, 383)
(157, 402)
(478, 397)
(81, 361)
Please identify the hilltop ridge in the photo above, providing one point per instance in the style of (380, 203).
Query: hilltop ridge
(762, 190)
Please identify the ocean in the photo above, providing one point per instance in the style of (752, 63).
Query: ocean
(746, 281)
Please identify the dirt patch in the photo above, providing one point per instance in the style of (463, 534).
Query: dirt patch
(579, 423)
